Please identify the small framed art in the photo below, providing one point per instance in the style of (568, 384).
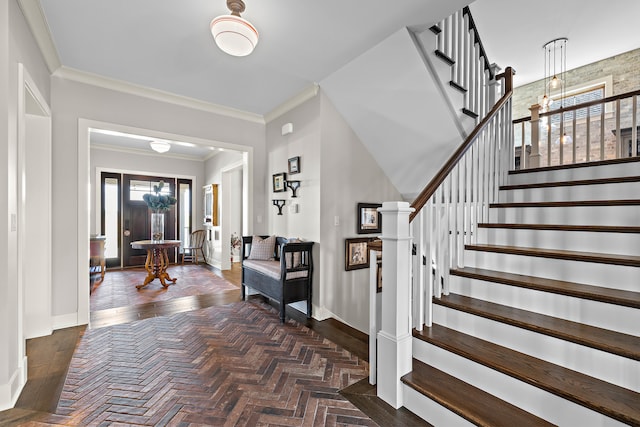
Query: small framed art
(369, 220)
(279, 182)
(356, 253)
(294, 165)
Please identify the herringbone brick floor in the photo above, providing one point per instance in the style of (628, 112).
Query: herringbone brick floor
(118, 288)
(233, 365)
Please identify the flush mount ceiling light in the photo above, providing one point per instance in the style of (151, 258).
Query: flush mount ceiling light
(160, 146)
(233, 34)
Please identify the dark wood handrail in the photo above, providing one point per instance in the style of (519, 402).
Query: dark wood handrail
(428, 191)
(472, 26)
(581, 106)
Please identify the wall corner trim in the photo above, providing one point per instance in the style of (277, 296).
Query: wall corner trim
(306, 94)
(34, 16)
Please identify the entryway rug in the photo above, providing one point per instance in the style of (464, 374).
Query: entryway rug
(233, 365)
(119, 286)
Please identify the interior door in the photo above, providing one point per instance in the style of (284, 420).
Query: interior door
(136, 216)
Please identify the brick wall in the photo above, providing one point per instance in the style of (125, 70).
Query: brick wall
(625, 77)
(623, 68)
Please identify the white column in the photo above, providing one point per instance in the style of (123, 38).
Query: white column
(394, 338)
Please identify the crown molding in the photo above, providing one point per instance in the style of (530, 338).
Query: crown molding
(79, 76)
(143, 152)
(37, 22)
(292, 102)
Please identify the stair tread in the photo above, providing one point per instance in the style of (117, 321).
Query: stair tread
(471, 403)
(578, 290)
(470, 113)
(616, 180)
(440, 54)
(576, 165)
(457, 86)
(616, 259)
(564, 227)
(611, 400)
(567, 203)
(624, 345)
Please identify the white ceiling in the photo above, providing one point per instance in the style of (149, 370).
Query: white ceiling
(514, 31)
(166, 44)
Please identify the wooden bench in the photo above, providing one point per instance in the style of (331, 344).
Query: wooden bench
(286, 278)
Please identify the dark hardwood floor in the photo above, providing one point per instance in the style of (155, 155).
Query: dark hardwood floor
(49, 357)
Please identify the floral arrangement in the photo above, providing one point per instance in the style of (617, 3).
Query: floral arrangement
(159, 202)
(236, 241)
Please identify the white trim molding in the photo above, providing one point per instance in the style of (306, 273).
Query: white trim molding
(292, 102)
(34, 16)
(84, 77)
(10, 391)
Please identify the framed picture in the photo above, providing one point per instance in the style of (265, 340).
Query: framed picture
(356, 253)
(369, 220)
(294, 165)
(279, 182)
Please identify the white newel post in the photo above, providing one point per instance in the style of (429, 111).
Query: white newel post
(534, 158)
(394, 338)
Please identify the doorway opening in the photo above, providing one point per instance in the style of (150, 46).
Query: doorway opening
(125, 217)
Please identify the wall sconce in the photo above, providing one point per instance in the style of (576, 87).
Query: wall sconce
(293, 185)
(279, 203)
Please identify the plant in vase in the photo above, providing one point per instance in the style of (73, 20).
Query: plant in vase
(159, 204)
(236, 242)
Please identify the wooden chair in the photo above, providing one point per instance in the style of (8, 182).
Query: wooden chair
(196, 243)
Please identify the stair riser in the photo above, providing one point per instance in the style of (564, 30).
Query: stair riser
(593, 172)
(431, 411)
(602, 315)
(532, 399)
(611, 243)
(615, 369)
(618, 191)
(574, 215)
(589, 273)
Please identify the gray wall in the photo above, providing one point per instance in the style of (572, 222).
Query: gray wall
(73, 101)
(337, 172)
(16, 46)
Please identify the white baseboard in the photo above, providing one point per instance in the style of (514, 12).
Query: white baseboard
(321, 313)
(65, 321)
(10, 391)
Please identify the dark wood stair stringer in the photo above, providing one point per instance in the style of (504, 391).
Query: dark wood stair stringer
(600, 396)
(561, 287)
(613, 342)
(614, 259)
(471, 403)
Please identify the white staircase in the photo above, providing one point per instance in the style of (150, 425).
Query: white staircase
(543, 311)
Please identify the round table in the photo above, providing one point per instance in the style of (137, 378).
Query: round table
(157, 259)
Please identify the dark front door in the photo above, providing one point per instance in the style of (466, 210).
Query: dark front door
(136, 216)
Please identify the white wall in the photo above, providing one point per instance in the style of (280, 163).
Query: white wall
(213, 175)
(16, 45)
(337, 172)
(72, 101)
(146, 164)
(349, 175)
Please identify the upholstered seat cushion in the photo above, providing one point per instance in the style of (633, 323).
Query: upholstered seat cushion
(272, 269)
